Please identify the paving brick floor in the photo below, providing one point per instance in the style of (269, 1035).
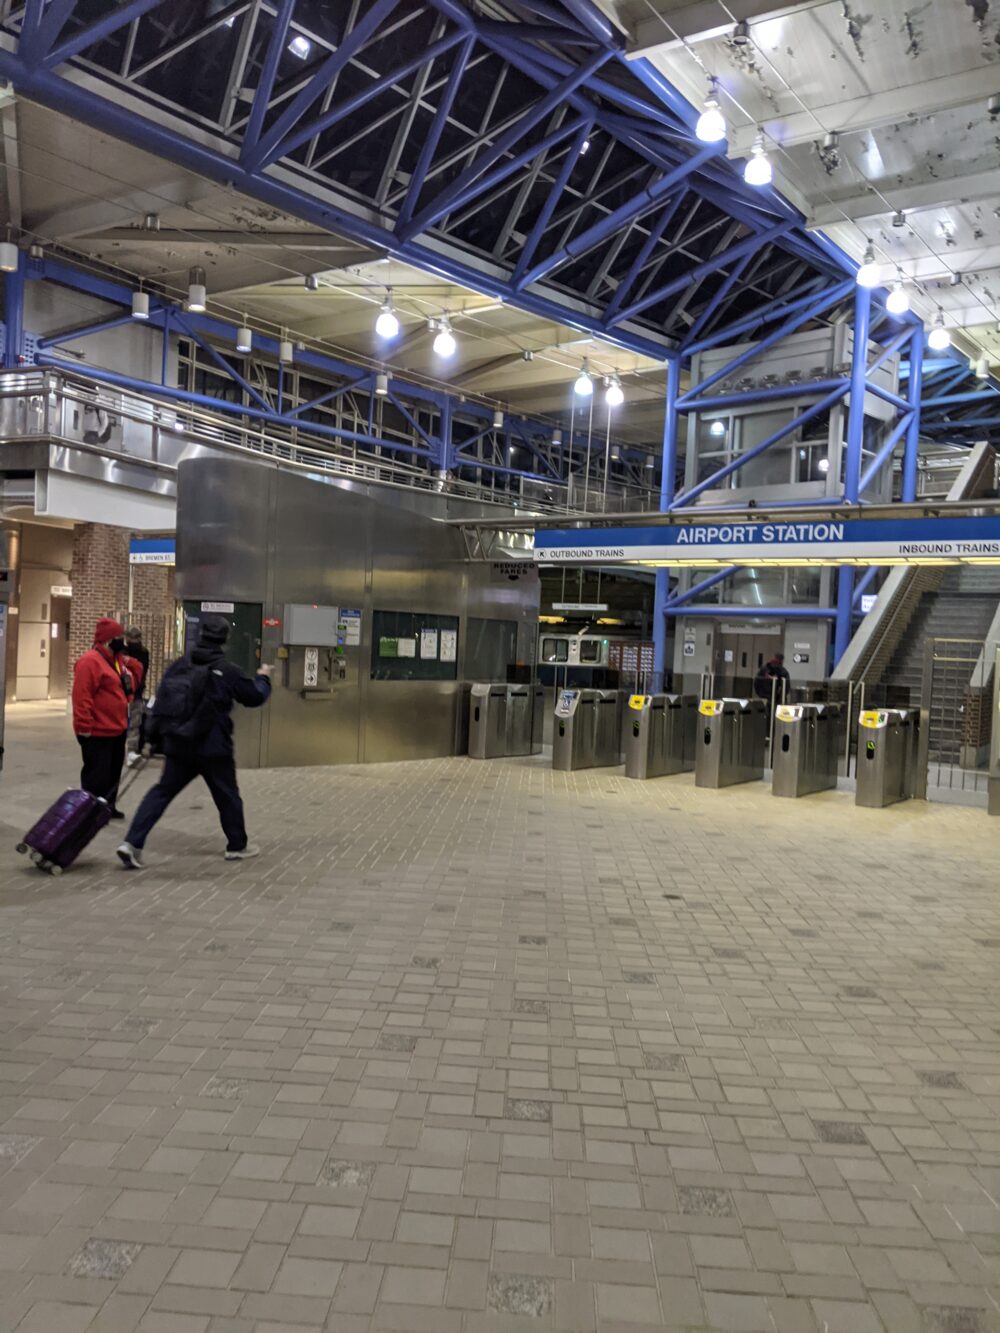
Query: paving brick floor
(477, 1046)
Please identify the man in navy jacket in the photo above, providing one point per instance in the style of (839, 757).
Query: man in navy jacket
(208, 753)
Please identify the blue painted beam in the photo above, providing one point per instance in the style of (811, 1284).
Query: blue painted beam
(777, 393)
(265, 82)
(749, 324)
(100, 30)
(718, 300)
(653, 238)
(911, 453)
(885, 452)
(727, 611)
(551, 200)
(856, 410)
(433, 137)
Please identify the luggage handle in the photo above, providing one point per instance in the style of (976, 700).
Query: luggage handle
(133, 773)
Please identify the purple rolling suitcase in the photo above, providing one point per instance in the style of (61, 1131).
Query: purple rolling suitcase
(68, 826)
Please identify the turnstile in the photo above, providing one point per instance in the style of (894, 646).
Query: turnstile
(732, 736)
(608, 738)
(505, 720)
(586, 729)
(525, 718)
(659, 734)
(488, 721)
(887, 756)
(806, 744)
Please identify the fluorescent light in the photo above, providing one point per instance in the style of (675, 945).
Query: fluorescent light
(939, 337)
(758, 166)
(300, 46)
(898, 300)
(868, 273)
(711, 124)
(140, 305)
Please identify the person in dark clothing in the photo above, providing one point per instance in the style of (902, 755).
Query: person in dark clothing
(138, 651)
(771, 671)
(105, 679)
(202, 745)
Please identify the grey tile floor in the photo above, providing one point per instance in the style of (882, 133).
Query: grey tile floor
(476, 1046)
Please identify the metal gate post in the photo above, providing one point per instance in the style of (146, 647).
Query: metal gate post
(667, 480)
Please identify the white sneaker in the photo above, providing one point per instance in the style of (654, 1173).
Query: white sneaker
(130, 857)
(244, 854)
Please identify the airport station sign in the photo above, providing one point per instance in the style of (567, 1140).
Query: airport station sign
(825, 541)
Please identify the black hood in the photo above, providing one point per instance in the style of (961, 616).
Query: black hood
(206, 654)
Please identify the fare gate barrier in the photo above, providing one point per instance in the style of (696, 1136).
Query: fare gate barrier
(731, 744)
(587, 730)
(505, 720)
(659, 735)
(888, 741)
(805, 749)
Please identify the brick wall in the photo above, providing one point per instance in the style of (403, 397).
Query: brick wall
(100, 578)
(100, 581)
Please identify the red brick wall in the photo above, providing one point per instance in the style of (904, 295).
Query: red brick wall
(100, 581)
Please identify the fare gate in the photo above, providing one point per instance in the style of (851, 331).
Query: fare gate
(956, 699)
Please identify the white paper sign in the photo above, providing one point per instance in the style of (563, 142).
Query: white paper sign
(352, 619)
(449, 645)
(428, 643)
(406, 647)
(224, 607)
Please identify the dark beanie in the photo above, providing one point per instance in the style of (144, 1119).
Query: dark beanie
(213, 632)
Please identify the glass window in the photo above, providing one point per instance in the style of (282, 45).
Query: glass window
(590, 650)
(555, 650)
(773, 467)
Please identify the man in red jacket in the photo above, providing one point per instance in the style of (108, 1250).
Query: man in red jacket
(104, 681)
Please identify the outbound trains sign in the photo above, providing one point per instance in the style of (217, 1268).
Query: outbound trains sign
(848, 541)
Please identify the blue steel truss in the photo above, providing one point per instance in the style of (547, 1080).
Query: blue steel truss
(956, 406)
(506, 145)
(433, 428)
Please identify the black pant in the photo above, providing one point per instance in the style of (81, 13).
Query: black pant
(219, 774)
(103, 757)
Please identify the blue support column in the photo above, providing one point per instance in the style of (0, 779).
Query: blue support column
(911, 451)
(856, 410)
(445, 455)
(845, 607)
(13, 314)
(667, 481)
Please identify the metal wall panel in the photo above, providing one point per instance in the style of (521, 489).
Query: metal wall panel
(248, 534)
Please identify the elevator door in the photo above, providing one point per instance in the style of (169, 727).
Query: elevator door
(59, 647)
(738, 658)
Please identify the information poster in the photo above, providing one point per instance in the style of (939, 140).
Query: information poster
(351, 619)
(389, 648)
(406, 647)
(428, 643)
(449, 645)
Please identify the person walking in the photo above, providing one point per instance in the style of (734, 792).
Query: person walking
(105, 680)
(138, 651)
(191, 719)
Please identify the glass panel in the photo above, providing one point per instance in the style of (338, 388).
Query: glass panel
(555, 650)
(773, 467)
(755, 587)
(590, 650)
(490, 649)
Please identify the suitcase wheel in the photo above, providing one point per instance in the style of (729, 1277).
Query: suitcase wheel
(52, 868)
(34, 856)
(21, 848)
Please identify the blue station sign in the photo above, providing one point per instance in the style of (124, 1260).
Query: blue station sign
(827, 542)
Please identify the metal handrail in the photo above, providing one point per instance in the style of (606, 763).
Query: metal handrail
(902, 602)
(199, 425)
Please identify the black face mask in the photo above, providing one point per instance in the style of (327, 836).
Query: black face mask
(117, 645)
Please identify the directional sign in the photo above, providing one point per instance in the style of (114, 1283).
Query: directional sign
(849, 541)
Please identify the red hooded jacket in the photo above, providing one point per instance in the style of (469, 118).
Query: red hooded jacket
(103, 685)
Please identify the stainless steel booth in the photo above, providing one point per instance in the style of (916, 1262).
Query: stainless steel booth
(373, 613)
(659, 734)
(505, 720)
(586, 729)
(732, 738)
(806, 745)
(888, 744)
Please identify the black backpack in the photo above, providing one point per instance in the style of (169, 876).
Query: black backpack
(182, 710)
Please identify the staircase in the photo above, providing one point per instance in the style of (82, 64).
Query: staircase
(962, 607)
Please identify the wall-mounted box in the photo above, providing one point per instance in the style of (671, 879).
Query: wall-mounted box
(311, 626)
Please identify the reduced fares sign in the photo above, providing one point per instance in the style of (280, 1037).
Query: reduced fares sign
(873, 541)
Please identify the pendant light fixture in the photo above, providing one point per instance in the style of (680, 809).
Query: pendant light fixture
(939, 338)
(197, 298)
(868, 273)
(710, 126)
(140, 304)
(387, 323)
(584, 385)
(758, 165)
